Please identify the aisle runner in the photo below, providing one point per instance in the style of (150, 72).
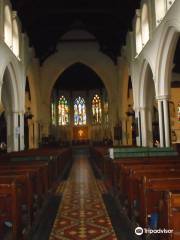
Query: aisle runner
(82, 214)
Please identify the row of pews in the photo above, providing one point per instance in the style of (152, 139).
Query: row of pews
(26, 180)
(148, 188)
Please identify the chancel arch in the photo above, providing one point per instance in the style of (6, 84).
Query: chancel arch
(69, 54)
(79, 107)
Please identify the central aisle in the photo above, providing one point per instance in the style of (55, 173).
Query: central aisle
(82, 213)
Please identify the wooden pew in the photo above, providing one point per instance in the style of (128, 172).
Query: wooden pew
(26, 181)
(151, 191)
(128, 176)
(36, 171)
(10, 210)
(170, 214)
(34, 177)
(41, 167)
(133, 187)
(123, 172)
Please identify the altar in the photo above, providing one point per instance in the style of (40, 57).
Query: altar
(80, 133)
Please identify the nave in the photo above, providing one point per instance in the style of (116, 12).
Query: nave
(82, 214)
(86, 210)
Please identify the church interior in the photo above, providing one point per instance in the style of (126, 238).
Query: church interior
(90, 120)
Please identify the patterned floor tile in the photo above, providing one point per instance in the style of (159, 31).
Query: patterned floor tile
(82, 214)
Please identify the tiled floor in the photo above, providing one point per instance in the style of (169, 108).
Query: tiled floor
(82, 214)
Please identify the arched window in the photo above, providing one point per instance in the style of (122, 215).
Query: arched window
(15, 38)
(178, 112)
(79, 111)
(53, 113)
(138, 36)
(96, 109)
(160, 9)
(63, 112)
(145, 24)
(7, 26)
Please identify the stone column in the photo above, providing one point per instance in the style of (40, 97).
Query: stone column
(164, 126)
(166, 122)
(9, 132)
(21, 131)
(138, 138)
(13, 131)
(149, 128)
(161, 122)
(144, 128)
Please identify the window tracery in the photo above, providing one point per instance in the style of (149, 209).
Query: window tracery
(79, 111)
(96, 110)
(63, 111)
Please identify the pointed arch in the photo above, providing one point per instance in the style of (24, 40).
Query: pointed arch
(165, 60)
(9, 79)
(147, 82)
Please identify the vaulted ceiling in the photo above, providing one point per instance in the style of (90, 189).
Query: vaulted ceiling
(46, 21)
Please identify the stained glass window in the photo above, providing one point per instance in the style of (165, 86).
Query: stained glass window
(178, 112)
(79, 111)
(96, 109)
(63, 111)
(53, 113)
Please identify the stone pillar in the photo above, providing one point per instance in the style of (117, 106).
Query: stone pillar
(161, 122)
(143, 112)
(164, 126)
(9, 132)
(21, 132)
(13, 131)
(149, 128)
(138, 138)
(16, 131)
(166, 122)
